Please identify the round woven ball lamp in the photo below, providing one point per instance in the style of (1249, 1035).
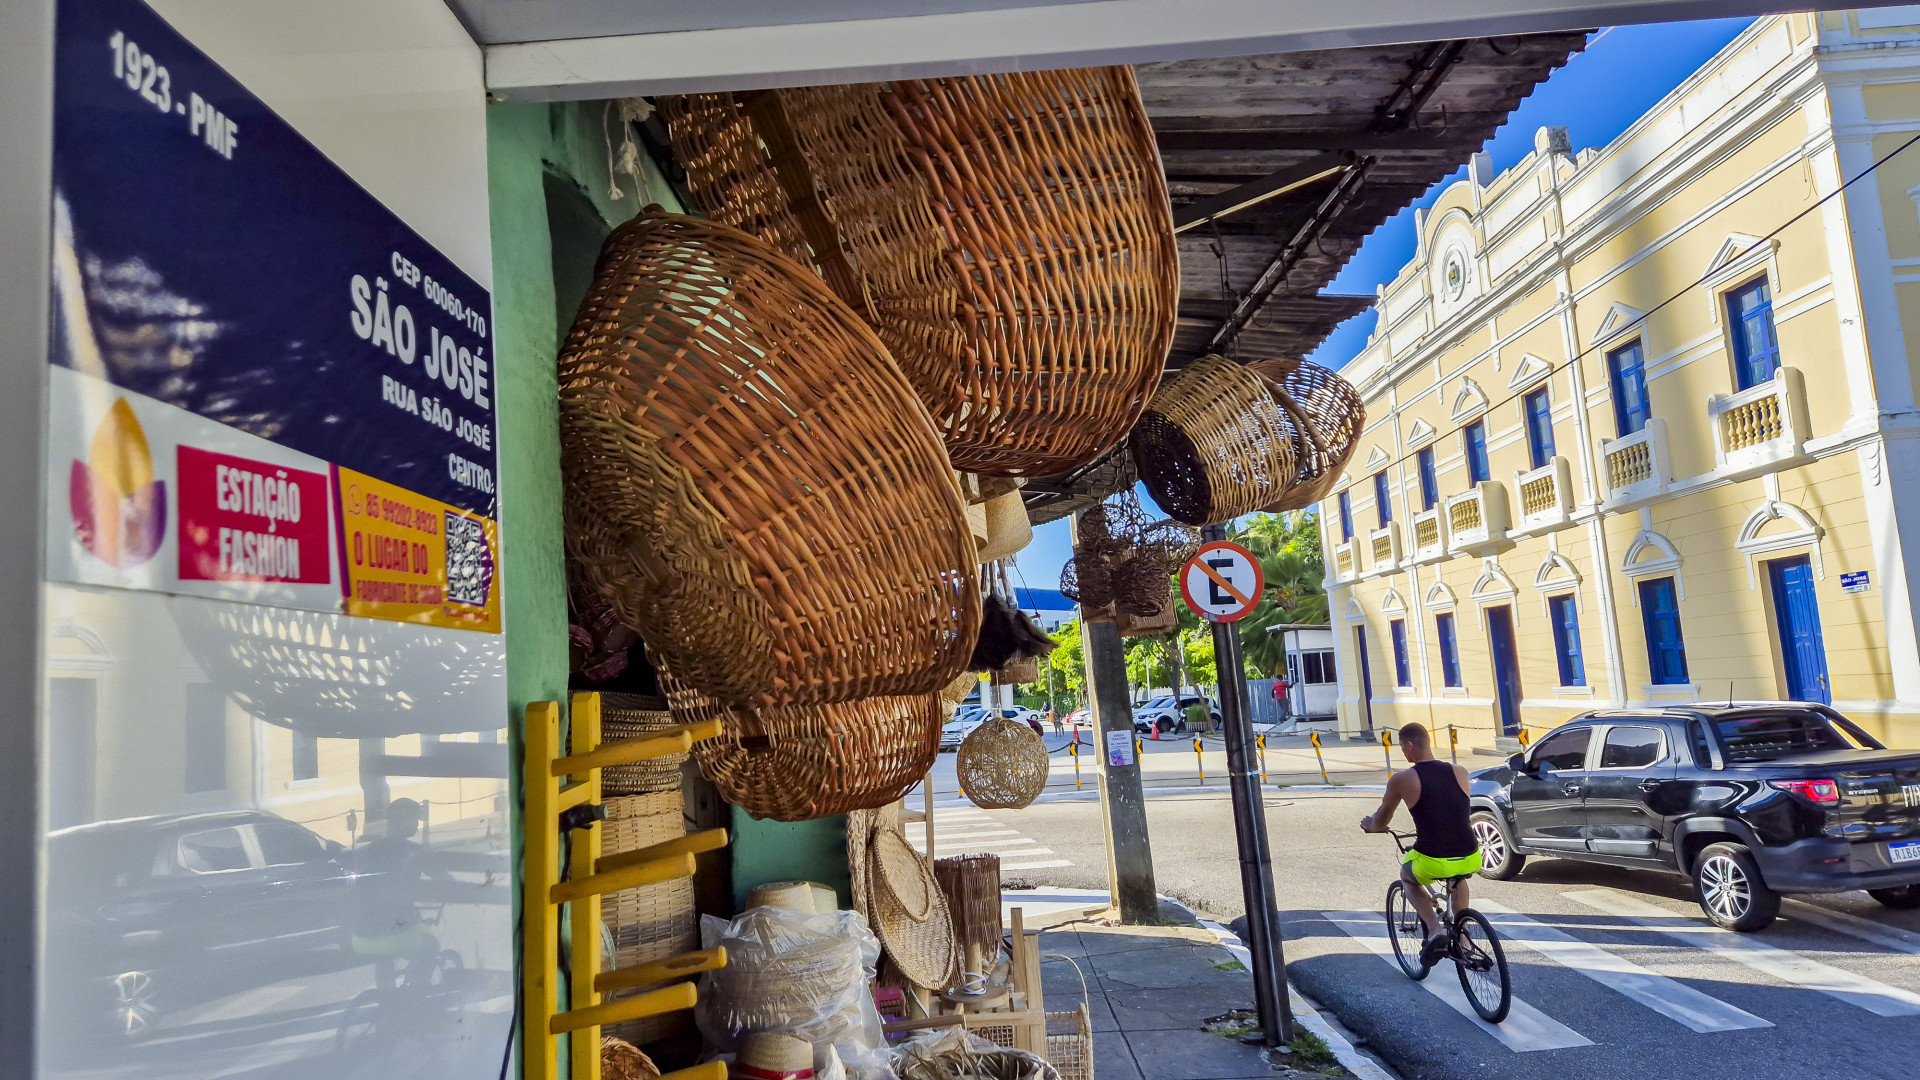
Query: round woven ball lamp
(1002, 765)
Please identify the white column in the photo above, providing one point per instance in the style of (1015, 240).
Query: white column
(1879, 378)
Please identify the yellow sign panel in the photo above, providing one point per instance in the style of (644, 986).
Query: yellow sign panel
(410, 558)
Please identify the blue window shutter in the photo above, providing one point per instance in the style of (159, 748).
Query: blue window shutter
(1539, 427)
(1666, 651)
(1449, 649)
(1474, 438)
(1626, 369)
(1402, 669)
(1346, 516)
(1566, 640)
(1756, 348)
(1429, 480)
(1382, 505)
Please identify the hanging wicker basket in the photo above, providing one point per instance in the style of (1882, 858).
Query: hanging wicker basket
(1002, 765)
(651, 922)
(752, 483)
(799, 762)
(1215, 444)
(1008, 236)
(1327, 414)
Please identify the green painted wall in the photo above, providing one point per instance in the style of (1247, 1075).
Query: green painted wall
(766, 851)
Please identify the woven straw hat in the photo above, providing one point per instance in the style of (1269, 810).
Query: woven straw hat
(786, 895)
(909, 911)
(1008, 528)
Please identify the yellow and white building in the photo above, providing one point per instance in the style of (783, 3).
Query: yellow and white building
(1641, 424)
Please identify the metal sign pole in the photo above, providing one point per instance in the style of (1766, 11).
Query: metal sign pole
(1250, 834)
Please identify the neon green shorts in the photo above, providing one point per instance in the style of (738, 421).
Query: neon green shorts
(1427, 869)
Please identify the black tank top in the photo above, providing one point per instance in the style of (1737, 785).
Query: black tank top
(1440, 817)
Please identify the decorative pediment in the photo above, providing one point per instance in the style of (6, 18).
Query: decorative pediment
(1378, 457)
(1555, 569)
(1354, 612)
(1469, 401)
(1779, 526)
(1739, 249)
(1391, 604)
(1494, 584)
(1649, 553)
(1619, 319)
(1420, 433)
(1440, 598)
(1530, 370)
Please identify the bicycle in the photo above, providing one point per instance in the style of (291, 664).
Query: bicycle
(1472, 944)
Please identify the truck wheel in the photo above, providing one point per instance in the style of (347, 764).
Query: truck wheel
(1900, 898)
(1498, 860)
(1730, 889)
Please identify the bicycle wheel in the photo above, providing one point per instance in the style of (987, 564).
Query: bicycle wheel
(1482, 965)
(1406, 931)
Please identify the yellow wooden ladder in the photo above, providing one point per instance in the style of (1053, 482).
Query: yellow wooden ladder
(553, 807)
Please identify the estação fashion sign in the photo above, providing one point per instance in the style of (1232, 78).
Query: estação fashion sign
(266, 387)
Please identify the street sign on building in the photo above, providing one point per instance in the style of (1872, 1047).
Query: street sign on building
(1222, 582)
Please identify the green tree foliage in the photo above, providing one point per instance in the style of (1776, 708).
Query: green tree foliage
(1288, 547)
(1068, 661)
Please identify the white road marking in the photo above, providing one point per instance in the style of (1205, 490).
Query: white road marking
(1840, 922)
(248, 1005)
(1670, 998)
(1525, 1028)
(956, 834)
(1870, 994)
(1043, 865)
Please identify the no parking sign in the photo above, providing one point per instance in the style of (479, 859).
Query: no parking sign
(1222, 582)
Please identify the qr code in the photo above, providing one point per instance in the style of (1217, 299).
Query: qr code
(469, 561)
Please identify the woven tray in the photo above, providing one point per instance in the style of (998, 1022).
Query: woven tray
(1008, 236)
(652, 922)
(909, 912)
(631, 716)
(750, 480)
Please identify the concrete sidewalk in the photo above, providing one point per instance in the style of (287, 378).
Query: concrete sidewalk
(1151, 992)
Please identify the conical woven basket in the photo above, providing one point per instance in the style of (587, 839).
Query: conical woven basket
(1215, 444)
(1327, 414)
(751, 481)
(1009, 236)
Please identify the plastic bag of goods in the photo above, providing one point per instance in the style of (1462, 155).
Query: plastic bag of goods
(810, 976)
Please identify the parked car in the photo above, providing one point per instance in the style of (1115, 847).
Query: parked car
(1033, 718)
(153, 912)
(1169, 714)
(1749, 800)
(1080, 718)
(965, 719)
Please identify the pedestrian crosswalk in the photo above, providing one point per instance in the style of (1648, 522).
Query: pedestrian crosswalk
(1680, 943)
(966, 830)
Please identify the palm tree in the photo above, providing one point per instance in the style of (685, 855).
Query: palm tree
(1289, 554)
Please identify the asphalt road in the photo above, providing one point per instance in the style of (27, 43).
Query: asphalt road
(1627, 980)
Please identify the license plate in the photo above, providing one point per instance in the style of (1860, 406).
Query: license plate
(1904, 851)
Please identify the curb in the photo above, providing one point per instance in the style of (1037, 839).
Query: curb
(1305, 1014)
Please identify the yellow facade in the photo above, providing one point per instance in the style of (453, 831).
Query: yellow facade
(1686, 360)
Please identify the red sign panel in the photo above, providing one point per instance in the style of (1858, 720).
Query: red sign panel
(246, 520)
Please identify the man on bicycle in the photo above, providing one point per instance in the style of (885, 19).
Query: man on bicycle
(1444, 846)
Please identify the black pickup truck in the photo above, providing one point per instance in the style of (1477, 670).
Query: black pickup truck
(1751, 800)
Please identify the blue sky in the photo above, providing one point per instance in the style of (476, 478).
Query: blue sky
(1622, 73)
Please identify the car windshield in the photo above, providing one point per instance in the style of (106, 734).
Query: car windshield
(1159, 703)
(1765, 736)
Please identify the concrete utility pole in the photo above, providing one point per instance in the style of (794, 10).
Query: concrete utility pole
(1123, 804)
(1250, 833)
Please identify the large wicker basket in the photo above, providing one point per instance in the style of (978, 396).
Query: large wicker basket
(1009, 236)
(800, 762)
(651, 922)
(751, 481)
(1214, 444)
(1327, 414)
